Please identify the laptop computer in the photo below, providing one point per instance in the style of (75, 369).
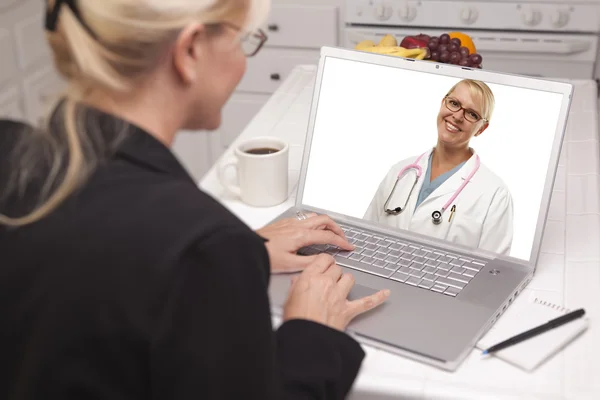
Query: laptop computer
(451, 274)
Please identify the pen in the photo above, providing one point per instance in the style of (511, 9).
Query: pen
(452, 211)
(537, 330)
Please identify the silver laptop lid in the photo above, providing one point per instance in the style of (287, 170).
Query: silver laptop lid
(372, 116)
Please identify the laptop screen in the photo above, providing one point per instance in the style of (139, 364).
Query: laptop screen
(461, 160)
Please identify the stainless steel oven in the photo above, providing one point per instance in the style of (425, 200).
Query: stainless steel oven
(538, 38)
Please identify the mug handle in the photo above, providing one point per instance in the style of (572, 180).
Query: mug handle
(228, 185)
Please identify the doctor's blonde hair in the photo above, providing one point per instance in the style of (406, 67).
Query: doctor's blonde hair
(479, 90)
(109, 45)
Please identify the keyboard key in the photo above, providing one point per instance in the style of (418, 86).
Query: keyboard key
(429, 270)
(450, 282)
(416, 267)
(458, 270)
(355, 257)
(412, 280)
(420, 253)
(368, 253)
(419, 260)
(431, 256)
(452, 291)
(426, 284)
(429, 277)
(469, 273)
(399, 276)
(441, 272)
(392, 259)
(379, 263)
(344, 254)
(383, 250)
(444, 267)
(439, 288)
(368, 260)
(458, 278)
(456, 263)
(473, 267)
(417, 274)
(445, 259)
(395, 246)
(391, 267)
(370, 246)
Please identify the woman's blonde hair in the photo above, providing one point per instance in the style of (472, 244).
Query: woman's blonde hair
(108, 44)
(479, 90)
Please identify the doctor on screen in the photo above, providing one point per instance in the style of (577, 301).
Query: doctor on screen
(447, 192)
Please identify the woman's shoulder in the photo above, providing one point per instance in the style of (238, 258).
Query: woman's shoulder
(492, 180)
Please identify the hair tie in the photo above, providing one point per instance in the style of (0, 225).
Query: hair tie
(52, 15)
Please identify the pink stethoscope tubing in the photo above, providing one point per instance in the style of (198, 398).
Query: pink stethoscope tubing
(419, 172)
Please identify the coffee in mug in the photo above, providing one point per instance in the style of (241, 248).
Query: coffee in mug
(261, 166)
(262, 150)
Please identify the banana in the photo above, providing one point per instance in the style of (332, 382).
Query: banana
(365, 44)
(418, 54)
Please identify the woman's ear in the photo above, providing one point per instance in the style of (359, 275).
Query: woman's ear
(483, 128)
(187, 52)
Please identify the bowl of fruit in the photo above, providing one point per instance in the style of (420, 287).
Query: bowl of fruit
(450, 48)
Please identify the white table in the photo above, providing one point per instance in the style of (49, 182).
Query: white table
(568, 272)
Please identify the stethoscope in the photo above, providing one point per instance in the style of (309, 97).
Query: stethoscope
(436, 216)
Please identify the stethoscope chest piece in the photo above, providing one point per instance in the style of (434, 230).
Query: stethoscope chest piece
(437, 217)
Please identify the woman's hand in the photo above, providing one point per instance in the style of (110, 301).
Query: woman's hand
(287, 236)
(320, 294)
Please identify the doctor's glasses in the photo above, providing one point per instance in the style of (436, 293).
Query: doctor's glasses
(470, 115)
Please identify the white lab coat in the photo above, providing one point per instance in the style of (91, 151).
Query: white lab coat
(484, 209)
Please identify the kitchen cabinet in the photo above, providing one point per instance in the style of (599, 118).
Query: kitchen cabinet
(296, 30)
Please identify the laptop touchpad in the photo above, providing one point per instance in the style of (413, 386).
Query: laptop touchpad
(359, 291)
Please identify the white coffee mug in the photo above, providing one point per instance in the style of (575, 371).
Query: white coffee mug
(261, 166)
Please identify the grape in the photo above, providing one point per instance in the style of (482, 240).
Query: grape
(463, 63)
(435, 56)
(444, 56)
(433, 45)
(434, 38)
(464, 51)
(443, 47)
(456, 41)
(454, 58)
(475, 59)
(444, 38)
(453, 48)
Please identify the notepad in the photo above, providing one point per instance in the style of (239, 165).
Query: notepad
(529, 311)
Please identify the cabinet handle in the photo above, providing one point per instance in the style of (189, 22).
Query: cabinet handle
(275, 77)
(273, 27)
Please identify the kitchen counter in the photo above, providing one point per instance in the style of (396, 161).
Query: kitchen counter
(568, 273)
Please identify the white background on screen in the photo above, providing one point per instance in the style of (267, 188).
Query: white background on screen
(371, 116)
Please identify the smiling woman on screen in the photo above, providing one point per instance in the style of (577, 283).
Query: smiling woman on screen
(447, 192)
(120, 278)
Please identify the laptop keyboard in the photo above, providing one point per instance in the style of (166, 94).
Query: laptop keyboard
(407, 262)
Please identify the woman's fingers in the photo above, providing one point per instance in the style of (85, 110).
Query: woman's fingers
(320, 264)
(367, 303)
(310, 237)
(324, 222)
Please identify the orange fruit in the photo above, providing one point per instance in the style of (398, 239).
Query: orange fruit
(465, 40)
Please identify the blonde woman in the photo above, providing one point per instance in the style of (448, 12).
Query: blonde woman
(119, 278)
(447, 192)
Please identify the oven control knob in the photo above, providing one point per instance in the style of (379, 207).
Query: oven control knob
(382, 11)
(407, 12)
(560, 18)
(469, 15)
(531, 17)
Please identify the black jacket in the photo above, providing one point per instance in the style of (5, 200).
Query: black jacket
(141, 286)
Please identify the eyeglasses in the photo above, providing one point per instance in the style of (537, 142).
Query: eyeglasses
(251, 42)
(470, 115)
